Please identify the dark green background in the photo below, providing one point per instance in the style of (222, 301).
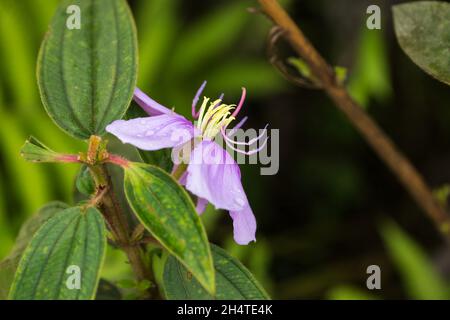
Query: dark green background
(319, 218)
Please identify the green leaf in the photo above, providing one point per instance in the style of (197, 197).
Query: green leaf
(40, 13)
(255, 75)
(144, 285)
(302, 67)
(234, 281)
(9, 265)
(30, 227)
(341, 74)
(257, 257)
(6, 238)
(17, 55)
(167, 211)
(87, 76)
(158, 23)
(107, 291)
(35, 151)
(31, 198)
(208, 37)
(126, 284)
(421, 279)
(85, 182)
(423, 31)
(441, 194)
(370, 75)
(160, 158)
(73, 237)
(61, 176)
(345, 292)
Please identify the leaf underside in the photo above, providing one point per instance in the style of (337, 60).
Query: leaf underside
(423, 31)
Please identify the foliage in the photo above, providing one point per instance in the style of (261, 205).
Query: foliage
(423, 31)
(420, 277)
(73, 237)
(86, 79)
(421, 281)
(167, 211)
(234, 281)
(224, 46)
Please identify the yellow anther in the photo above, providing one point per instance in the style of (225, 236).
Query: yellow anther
(217, 116)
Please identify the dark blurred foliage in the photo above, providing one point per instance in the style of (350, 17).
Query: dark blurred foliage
(320, 217)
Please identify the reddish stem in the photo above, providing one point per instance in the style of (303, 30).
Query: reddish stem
(68, 158)
(118, 160)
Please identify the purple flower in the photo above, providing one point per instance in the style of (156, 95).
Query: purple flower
(212, 174)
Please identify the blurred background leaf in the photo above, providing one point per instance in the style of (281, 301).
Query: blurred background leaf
(17, 55)
(177, 52)
(9, 265)
(423, 32)
(349, 293)
(370, 78)
(28, 186)
(420, 277)
(317, 218)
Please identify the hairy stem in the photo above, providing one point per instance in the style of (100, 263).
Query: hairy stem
(119, 226)
(374, 135)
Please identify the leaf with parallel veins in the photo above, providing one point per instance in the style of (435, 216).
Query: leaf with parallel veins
(234, 281)
(87, 76)
(167, 211)
(74, 237)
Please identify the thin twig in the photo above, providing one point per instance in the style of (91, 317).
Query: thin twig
(377, 139)
(278, 62)
(119, 226)
(96, 199)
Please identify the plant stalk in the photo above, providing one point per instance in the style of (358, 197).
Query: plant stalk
(374, 135)
(120, 229)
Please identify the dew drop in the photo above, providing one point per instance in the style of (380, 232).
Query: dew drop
(240, 201)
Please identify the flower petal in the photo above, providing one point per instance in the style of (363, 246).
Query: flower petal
(201, 205)
(153, 133)
(215, 176)
(244, 225)
(182, 179)
(149, 105)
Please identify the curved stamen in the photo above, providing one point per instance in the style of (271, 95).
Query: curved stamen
(241, 102)
(201, 112)
(237, 127)
(195, 100)
(217, 103)
(220, 99)
(243, 143)
(248, 153)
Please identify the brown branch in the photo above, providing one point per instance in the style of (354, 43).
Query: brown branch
(373, 134)
(119, 227)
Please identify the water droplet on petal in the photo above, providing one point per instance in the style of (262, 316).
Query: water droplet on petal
(239, 201)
